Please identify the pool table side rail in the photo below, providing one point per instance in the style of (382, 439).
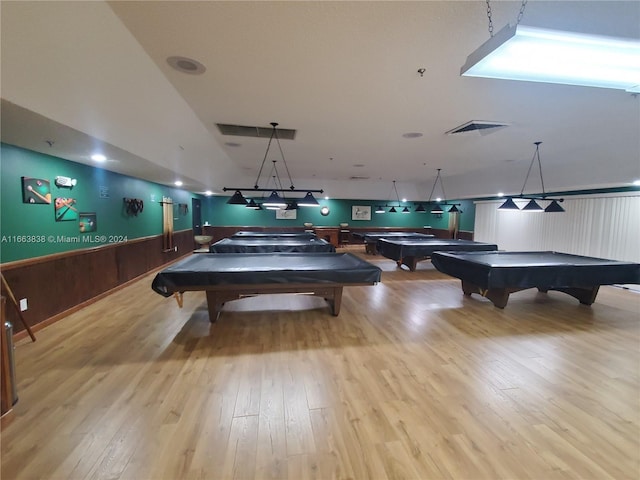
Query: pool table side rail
(410, 251)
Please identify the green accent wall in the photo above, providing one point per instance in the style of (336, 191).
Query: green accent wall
(31, 230)
(217, 212)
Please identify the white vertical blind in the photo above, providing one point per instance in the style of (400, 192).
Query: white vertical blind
(595, 226)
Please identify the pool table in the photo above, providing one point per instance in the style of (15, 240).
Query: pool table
(410, 251)
(371, 238)
(230, 276)
(249, 234)
(495, 275)
(271, 245)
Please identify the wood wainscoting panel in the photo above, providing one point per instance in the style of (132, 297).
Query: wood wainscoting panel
(58, 283)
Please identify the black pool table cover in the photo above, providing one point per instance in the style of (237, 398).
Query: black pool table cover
(374, 236)
(230, 276)
(371, 238)
(248, 234)
(409, 251)
(496, 274)
(271, 245)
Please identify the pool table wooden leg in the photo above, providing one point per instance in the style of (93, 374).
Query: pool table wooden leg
(333, 296)
(215, 301)
(410, 262)
(178, 296)
(498, 296)
(585, 295)
(337, 301)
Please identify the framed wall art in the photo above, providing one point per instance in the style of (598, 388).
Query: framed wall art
(36, 190)
(360, 212)
(88, 222)
(65, 210)
(286, 214)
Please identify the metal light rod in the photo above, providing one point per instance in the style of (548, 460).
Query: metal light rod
(537, 197)
(252, 189)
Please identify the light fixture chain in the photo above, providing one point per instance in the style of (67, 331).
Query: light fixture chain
(490, 20)
(434, 187)
(540, 168)
(276, 178)
(286, 167)
(536, 154)
(522, 7)
(489, 15)
(444, 195)
(265, 157)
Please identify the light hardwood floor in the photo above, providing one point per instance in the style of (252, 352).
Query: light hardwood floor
(412, 381)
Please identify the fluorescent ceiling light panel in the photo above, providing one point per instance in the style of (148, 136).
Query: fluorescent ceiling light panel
(551, 56)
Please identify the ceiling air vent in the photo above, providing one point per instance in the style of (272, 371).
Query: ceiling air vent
(357, 177)
(477, 127)
(260, 132)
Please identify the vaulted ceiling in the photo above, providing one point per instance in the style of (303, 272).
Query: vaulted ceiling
(80, 76)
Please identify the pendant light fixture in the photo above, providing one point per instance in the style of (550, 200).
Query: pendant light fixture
(275, 200)
(437, 208)
(554, 56)
(533, 205)
(380, 208)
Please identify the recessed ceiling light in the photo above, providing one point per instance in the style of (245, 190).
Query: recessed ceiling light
(412, 135)
(186, 65)
(208, 193)
(98, 157)
(326, 198)
(178, 183)
(636, 182)
(500, 194)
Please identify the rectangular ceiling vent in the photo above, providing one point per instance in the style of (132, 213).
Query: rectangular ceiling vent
(357, 177)
(477, 127)
(259, 132)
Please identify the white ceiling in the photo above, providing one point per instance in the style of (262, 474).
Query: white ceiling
(345, 75)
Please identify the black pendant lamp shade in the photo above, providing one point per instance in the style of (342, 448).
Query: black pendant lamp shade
(509, 204)
(274, 200)
(237, 199)
(554, 207)
(532, 206)
(309, 201)
(253, 205)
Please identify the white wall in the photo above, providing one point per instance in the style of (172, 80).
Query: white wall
(604, 226)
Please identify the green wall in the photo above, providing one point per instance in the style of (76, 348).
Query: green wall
(217, 212)
(30, 230)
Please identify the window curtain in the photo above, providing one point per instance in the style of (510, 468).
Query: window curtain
(594, 226)
(167, 223)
